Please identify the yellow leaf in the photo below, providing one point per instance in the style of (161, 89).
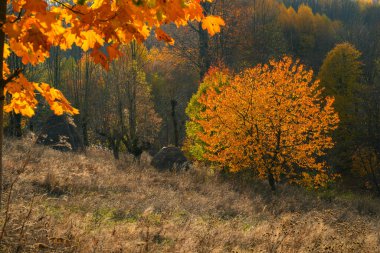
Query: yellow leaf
(97, 4)
(91, 38)
(27, 111)
(212, 24)
(7, 51)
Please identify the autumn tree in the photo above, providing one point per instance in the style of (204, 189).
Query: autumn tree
(346, 11)
(309, 35)
(215, 79)
(273, 120)
(31, 28)
(341, 74)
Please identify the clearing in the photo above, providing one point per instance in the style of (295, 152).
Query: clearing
(65, 202)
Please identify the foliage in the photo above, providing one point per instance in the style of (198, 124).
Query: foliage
(215, 79)
(341, 74)
(309, 35)
(33, 27)
(272, 119)
(366, 163)
(126, 111)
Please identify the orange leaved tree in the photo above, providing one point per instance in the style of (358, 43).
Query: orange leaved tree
(29, 28)
(271, 119)
(214, 79)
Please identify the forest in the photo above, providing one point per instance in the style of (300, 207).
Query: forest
(276, 103)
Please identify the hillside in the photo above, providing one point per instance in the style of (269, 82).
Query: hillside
(66, 202)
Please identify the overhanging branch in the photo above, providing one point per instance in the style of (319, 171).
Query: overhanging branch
(15, 74)
(71, 8)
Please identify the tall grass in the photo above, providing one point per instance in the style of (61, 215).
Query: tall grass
(66, 202)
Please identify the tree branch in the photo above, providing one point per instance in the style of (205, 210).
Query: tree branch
(71, 8)
(15, 74)
(18, 17)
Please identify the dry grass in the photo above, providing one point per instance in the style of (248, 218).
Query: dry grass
(90, 203)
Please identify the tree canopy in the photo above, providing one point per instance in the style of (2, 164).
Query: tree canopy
(273, 120)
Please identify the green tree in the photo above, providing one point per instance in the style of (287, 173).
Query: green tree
(341, 74)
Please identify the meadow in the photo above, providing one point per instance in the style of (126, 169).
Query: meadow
(68, 202)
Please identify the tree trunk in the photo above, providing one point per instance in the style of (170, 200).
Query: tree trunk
(56, 53)
(1, 135)
(175, 124)
(85, 104)
(204, 38)
(167, 131)
(31, 124)
(17, 126)
(116, 152)
(14, 128)
(85, 134)
(271, 181)
(3, 16)
(132, 101)
(115, 144)
(375, 182)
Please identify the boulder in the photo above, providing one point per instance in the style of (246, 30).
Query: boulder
(170, 158)
(60, 132)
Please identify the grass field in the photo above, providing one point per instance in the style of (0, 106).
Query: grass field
(64, 202)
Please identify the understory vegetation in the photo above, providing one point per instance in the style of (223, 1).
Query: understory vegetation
(67, 202)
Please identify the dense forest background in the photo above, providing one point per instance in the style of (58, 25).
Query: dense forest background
(140, 102)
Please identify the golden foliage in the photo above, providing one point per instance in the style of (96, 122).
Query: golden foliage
(37, 25)
(23, 97)
(272, 119)
(212, 24)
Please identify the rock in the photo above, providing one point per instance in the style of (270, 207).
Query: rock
(60, 132)
(170, 158)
